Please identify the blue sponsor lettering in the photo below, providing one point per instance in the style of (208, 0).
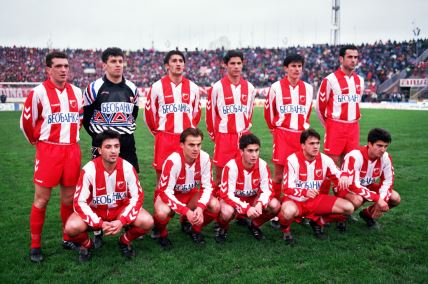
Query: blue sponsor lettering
(298, 109)
(347, 98)
(114, 107)
(231, 109)
(246, 193)
(367, 181)
(310, 184)
(173, 108)
(183, 188)
(108, 199)
(63, 117)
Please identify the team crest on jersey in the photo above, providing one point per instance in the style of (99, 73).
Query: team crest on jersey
(73, 103)
(256, 182)
(303, 99)
(185, 97)
(120, 184)
(244, 98)
(376, 171)
(318, 173)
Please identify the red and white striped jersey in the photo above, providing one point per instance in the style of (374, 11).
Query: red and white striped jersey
(300, 175)
(52, 115)
(239, 184)
(172, 108)
(102, 190)
(178, 178)
(365, 173)
(339, 97)
(229, 107)
(289, 107)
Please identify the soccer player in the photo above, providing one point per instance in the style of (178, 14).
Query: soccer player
(337, 106)
(229, 111)
(303, 174)
(172, 106)
(51, 121)
(372, 173)
(246, 188)
(111, 103)
(177, 192)
(287, 111)
(108, 197)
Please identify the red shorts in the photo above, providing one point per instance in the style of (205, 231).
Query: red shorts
(57, 164)
(184, 198)
(110, 214)
(226, 147)
(285, 143)
(322, 204)
(341, 137)
(165, 145)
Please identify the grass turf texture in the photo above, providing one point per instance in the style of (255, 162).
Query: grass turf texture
(397, 253)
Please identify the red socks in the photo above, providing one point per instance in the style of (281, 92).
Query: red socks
(131, 235)
(37, 219)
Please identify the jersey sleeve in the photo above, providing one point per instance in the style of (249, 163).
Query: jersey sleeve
(82, 198)
(265, 186)
(270, 107)
(250, 105)
(206, 184)
(30, 114)
(167, 182)
(322, 100)
(289, 186)
(197, 109)
(136, 197)
(387, 178)
(210, 114)
(228, 186)
(352, 167)
(150, 111)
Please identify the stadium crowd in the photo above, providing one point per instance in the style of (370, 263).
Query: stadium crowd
(263, 66)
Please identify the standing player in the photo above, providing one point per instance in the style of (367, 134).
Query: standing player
(287, 111)
(229, 111)
(172, 106)
(108, 197)
(303, 175)
(338, 108)
(372, 173)
(51, 121)
(177, 191)
(111, 103)
(246, 188)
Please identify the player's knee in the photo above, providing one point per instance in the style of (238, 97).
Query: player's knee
(72, 228)
(226, 212)
(274, 206)
(214, 205)
(356, 200)
(288, 212)
(348, 207)
(395, 199)
(41, 202)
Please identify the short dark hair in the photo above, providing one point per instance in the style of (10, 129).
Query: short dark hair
(379, 134)
(344, 48)
(106, 134)
(309, 133)
(54, 54)
(294, 57)
(171, 53)
(248, 139)
(232, 53)
(195, 132)
(111, 51)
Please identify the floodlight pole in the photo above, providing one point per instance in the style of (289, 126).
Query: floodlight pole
(335, 22)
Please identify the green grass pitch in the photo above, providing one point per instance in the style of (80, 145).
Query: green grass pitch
(398, 253)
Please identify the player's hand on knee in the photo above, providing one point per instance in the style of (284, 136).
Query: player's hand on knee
(311, 193)
(198, 216)
(115, 227)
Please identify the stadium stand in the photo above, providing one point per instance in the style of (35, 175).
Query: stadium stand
(379, 62)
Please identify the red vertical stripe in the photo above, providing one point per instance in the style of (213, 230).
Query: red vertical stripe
(185, 99)
(358, 92)
(302, 102)
(168, 99)
(73, 105)
(286, 100)
(229, 100)
(55, 105)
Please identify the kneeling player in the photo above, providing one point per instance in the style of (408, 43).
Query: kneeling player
(372, 173)
(177, 190)
(108, 197)
(246, 188)
(303, 174)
